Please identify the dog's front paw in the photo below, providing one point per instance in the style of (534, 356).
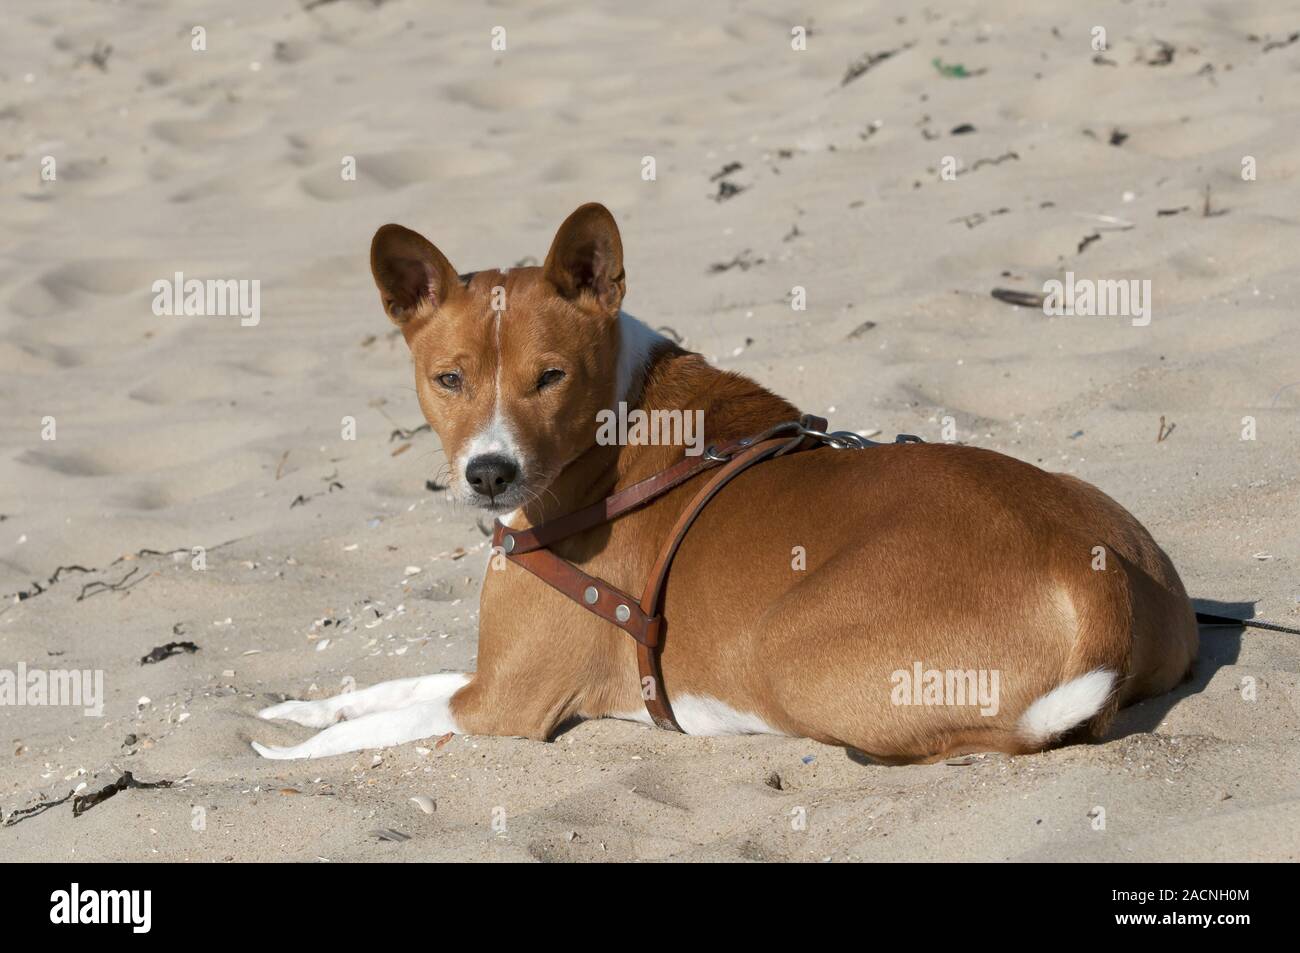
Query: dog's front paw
(318, 714)
(275, 754)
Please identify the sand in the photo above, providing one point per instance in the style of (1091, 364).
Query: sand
(329, 562)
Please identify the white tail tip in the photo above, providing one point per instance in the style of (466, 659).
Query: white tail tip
(1066, 706)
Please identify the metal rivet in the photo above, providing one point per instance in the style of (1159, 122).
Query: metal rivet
(622, 613)
(590, 595)
(508, 544)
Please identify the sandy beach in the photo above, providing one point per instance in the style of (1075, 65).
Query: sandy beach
(173, 478)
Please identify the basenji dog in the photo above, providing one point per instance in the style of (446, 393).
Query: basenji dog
(911, 601)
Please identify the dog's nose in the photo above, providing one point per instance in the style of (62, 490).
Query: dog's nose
(491, 474)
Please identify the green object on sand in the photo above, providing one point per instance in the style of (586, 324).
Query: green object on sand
(955, 70)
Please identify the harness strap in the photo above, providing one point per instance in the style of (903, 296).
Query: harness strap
(614, 506)
(528, 548)
(653, 692)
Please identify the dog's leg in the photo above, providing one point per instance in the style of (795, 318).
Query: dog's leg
(386, 696)
(390, 713)
(379, 730)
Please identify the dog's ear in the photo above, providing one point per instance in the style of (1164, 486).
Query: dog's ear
(585, 263)
(410, 272)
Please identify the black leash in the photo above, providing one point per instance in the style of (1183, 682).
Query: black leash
(1205, 618)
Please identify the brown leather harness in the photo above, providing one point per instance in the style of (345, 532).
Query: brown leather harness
(643, 620)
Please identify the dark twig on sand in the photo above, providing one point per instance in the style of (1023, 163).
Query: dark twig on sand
(1021, 299)
(81, 803)
(744, 261)
(997, 160)
(868, 61)
(24, 813)
(302, 499)
(96, 587)
(1207, 211)
(401, 433)
(725, 171)
(1279, 44)
(167, 651)
(84, 802)
(37, 589)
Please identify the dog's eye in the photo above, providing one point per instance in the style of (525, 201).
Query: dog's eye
(448, 381)
(550, 376)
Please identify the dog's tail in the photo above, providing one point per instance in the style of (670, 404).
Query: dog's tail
(1086, 695)
(1066, 707)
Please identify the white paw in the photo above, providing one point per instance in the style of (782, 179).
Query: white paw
(275, 754)
(319, 714)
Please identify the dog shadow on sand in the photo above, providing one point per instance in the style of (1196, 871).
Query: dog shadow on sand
(1220, 646)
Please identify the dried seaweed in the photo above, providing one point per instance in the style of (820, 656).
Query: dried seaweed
(25, 813)
(167, 651)
(82, 803)
(89, 589)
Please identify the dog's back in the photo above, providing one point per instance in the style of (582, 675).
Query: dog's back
(957, 560)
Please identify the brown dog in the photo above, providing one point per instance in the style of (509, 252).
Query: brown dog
(909, 601)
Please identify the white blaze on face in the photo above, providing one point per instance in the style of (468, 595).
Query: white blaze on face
(496, 438)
